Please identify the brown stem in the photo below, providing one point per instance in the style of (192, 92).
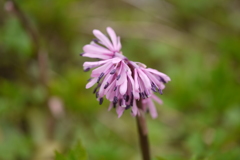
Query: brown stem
(39, 51)
(41, 55)
(143, 133)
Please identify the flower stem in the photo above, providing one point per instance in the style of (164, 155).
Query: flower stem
(143, 133)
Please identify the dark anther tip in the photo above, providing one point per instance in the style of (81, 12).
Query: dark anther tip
(118, 77)
(160, 91)
(97, 94)
(161, 79)
(87, 69)
(81, 54)
(101, 101)
(127, 98)
(127, 107)
(89, 79)
(113, 71)
(95, 40)
(120, 102)
(100, 77)
(115, 99)
(106, 85)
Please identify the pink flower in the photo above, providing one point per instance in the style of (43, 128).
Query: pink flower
(102, 47)
(120, 80)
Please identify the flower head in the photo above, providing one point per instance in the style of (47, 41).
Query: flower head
(120, 80)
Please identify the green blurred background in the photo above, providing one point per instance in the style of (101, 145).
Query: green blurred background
(45, 107)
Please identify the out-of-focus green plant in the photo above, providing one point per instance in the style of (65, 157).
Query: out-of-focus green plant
(77, 153)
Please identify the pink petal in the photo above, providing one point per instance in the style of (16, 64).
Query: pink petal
(136, 80)
(152, 109)
(123, 76)
(119, 46)
(93, 55)
(123, 87)
(110, 107)
(96, 49)
(91, 83)
(93, 64)
(102, 91)
(113, 37)
(164, 76)
(103, 38)
(120, 111)
(102, 69)
(135, 94)
(155, 98)
(145, 79)
(134, 109)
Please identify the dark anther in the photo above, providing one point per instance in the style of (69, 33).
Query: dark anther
(118, 77)
(160, 91)
(113, 71)
(95, 40)
(127, 107)
(146, 95)
(97, 94)
(106, 85)
(143, 95)
(87, 69)
(81, 54)
(154, 89)
(147, 111)
(161, 79)
(115, 88)
(89, 79)
(131, 101)
(101, 101)
(127, 98)
(100, 77)
(95, 89)
(120, 102)
(115, 99)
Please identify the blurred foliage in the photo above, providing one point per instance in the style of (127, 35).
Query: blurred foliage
(197, 43)
(78, 153)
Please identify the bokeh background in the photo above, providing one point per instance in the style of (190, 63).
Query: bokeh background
(44, 106)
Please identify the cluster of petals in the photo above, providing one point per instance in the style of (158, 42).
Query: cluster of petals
(120, 80)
